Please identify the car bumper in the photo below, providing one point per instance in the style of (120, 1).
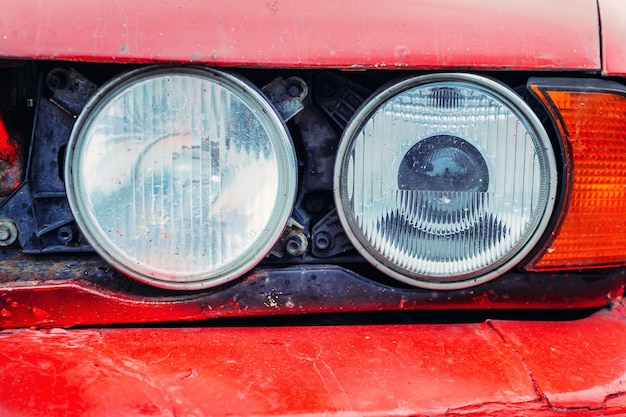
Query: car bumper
(508, 367)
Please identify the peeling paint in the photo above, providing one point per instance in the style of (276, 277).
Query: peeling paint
(453, 369)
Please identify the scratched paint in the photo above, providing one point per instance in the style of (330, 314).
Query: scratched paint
(55, 293)
(347, 34)
(492, 368)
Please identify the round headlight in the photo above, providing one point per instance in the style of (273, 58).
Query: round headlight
(182, 178)
(445, 181)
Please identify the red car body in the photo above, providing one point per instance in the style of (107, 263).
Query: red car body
(396, 35)
(448, 364)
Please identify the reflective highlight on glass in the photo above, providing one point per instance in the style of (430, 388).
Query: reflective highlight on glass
(445, 181)
(182, 178)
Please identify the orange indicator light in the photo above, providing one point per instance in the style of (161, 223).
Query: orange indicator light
(591, 230)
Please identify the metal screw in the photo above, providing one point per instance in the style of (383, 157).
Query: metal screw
(8, 232)
(296, 244)
(323, 240)
(65, 234)
(57, 79)
(294, 89)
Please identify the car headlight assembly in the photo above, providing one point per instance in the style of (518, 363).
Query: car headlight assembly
(445, 181)
(183, 178)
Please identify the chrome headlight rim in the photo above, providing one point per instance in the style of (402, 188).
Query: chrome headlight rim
(518, 107)
(287, 174)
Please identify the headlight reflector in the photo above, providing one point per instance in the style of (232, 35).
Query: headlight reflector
(445, 181)
(182, 178)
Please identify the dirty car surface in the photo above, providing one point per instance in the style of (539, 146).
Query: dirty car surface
(264, 163)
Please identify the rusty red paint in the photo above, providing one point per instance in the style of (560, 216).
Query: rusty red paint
(489, 368)
(11, 164)
(53, 293)
(495, 367)
(534, 34)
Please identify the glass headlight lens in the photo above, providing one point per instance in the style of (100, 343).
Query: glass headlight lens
(182, 178)
(445, 181)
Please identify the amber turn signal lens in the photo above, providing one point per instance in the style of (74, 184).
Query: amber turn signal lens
(591, 230)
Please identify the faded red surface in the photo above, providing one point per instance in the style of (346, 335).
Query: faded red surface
(534, 34)
(613, 18)
(494, 367)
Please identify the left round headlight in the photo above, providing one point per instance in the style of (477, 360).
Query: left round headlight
(182, 178)
(445, 181)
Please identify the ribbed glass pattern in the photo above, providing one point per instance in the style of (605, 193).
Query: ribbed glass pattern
(443, 226)
(180, 178)
(593, 231)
